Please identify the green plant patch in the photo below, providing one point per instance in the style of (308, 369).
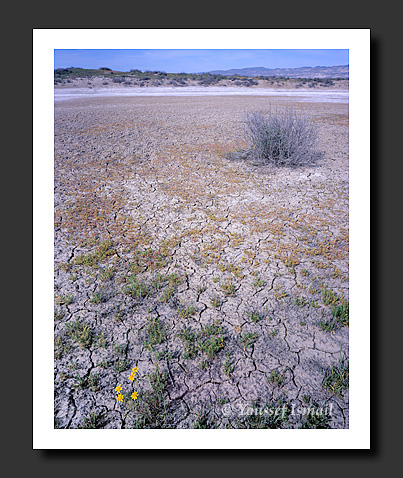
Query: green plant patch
(93, 420)
(228, 288)
(209, 340)
(276, 378)
(136, 289)
(155, 331)
(336, 378)
(340, 312)
(96, 298)
(314, 417)
(211, 345)
(80, 332)
(215, 302)
(92, 259)
(254, 316)
(228, 368)
(61, 299)
(247, 339)
(150, 409)
(186, 311)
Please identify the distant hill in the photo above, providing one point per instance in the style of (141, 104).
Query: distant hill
(340, 71)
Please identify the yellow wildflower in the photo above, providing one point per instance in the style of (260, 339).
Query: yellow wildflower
(135, 369)
(131, 377)
(134, 395)
(119, 398)
(118, 388)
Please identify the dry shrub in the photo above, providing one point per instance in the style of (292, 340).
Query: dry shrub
(281, 138)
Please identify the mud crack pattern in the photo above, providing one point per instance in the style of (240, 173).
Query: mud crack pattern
(225, 283)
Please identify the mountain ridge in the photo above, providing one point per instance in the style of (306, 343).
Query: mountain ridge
(338, 71)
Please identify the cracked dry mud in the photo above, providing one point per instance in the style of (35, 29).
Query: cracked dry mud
(216, 278)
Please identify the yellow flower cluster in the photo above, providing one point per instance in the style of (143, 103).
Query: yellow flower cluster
(118, 389)
(119, 397)
(134, 371)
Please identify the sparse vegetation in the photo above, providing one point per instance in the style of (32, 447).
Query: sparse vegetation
(186, 311)
(150, 408)
(215, 302)
(91, 421)
(155, 331)
(301, 301)
(339, 311)
(248, 338)
(228, 368)
(329, 297)
(59, 314)
(205, 420)
(101, 340)
(314, 416)
(80, 332)
(204, 79)
(211, 345)
(136, 289)
(259, 282)
(61, 299)
(96, 298)
(168, 294)
(83, 382)
(100, 254)
(281, 137)
(254, 315)
(276, 378)
(61, 346)
(121, 365)
(228, 288)
(119, 348)
(209, 340)
(336, 378)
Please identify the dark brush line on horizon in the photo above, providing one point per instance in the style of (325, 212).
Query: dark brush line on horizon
(339, 71)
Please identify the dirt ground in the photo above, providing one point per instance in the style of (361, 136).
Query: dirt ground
(224, 282)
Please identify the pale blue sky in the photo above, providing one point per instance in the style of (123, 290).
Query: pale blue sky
(194, 61)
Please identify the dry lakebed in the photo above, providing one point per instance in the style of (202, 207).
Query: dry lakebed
(193, 289)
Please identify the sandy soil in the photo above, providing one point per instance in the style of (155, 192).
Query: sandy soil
(216, 278)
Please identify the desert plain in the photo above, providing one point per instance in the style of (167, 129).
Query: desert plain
(223, 283)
